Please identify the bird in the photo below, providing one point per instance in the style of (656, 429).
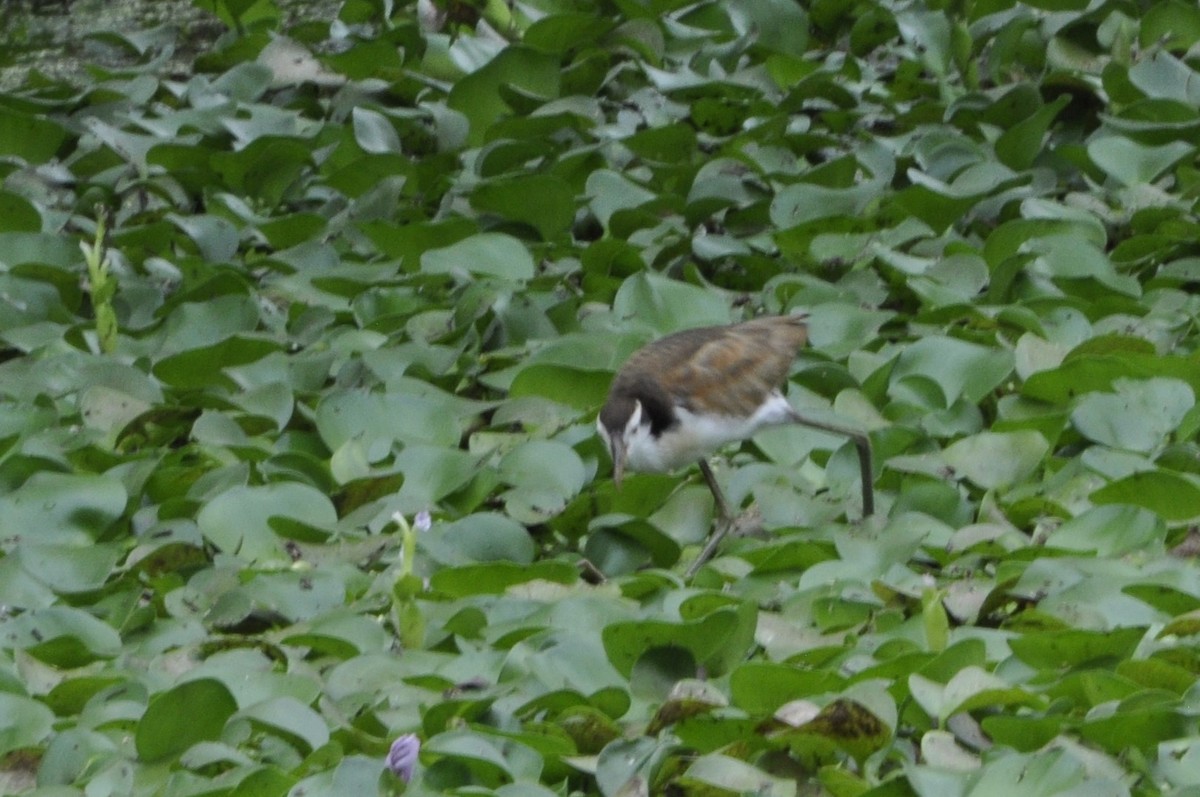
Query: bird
(681, 398)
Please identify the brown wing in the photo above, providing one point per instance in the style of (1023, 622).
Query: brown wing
(726, 370)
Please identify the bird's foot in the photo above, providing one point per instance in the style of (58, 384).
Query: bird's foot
(749, 524)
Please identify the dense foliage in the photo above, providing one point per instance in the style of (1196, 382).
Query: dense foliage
(258, 316)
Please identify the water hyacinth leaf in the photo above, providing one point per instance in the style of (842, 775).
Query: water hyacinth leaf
(494, 254)
(482, 537)
(729, 775)
(204, 367)
(430, 474)
(1143, 729)
(621, 545)
(542, 201)
(961, 369)
(1175, 23)
(215, 237)
(622, 766)
(238, 521)
(110, 410)
(973, 688)
(292, 719)
(18, 214)
(609, 192)
(1056, 649)
(1086, 371)
(341, 634)
(716, 641)
(1019, 146)
(761, 687)
(1137, 416)
(178, 718)
(544, 468)
(1168, 600)
(574, 387)
(838, 329)
(294, 595)
(31, 137)
(496, 577)
(269, 167)
(69, 568)
(62, 507)
(1162, 75)
(778, 26)
(487, 760)
(1173, 496)
(1112, 530)
(26, 722)
(61, 636)
(379, 420)
(1132, 163)
(38, 247)
(667, 305)
(209, 320)
(481, 96)
(997, 460)
(374, 132)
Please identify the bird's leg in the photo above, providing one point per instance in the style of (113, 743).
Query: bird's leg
(723, 525)
(862, 443)
(722, 506)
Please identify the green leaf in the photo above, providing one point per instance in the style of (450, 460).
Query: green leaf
(716, 640)
(289, 717)
(1137, 416)
(238, 521)
(574, 387)
(17, 214)
(32, 138)
(761, 687)
(206, 367)
(997, 460)
(374, 132)
(377, 421)
(482, 537)
(1113, 530)
(668, 306)
(482, 95)
(26, 723)
(61, 636)
(494, 578)
(1173, 496)
(959, 368)
(69, 568)
(1051, 650)
(62, 507)
(1132, 163)
(182, 716)
(493, 254)
(542, 201)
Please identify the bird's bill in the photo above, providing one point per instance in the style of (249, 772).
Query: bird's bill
(617, 449)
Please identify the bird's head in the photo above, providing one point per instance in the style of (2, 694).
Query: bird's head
(617, 422)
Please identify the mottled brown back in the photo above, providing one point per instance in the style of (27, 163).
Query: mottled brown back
(728, 370)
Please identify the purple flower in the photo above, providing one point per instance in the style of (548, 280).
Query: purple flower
(402, 758)
(423, 521)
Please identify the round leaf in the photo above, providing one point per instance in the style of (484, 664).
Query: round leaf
(194, 711)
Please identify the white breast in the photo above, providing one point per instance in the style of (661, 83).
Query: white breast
(698, 435)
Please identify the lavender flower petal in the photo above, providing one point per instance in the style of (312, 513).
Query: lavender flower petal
(402, 758)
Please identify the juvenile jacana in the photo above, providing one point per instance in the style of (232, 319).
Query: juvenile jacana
(680, 398)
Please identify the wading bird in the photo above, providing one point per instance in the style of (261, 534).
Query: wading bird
(682, 397)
